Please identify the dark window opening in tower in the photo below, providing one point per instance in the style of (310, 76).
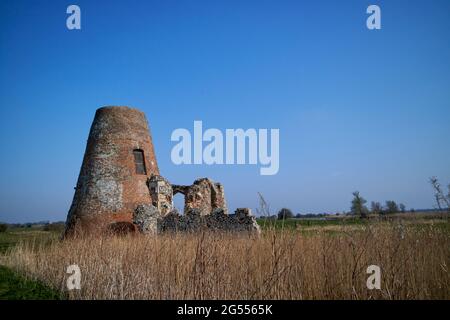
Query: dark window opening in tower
(139, 161)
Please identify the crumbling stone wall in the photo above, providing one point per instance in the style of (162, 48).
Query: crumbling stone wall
(194, 221)
(146, 217)
(161, 193)
(203, 195)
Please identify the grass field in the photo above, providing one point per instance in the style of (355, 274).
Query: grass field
(293, 259)
(13, 237)
(15, 287)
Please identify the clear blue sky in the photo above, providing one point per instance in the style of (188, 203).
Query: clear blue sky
(357, 109)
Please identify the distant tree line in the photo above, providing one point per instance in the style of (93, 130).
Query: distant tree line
(288, 214)
(45, 225)
(358, 207)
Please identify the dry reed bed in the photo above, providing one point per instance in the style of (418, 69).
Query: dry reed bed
(277, 265)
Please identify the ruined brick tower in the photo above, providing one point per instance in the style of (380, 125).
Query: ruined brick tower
(118, 160)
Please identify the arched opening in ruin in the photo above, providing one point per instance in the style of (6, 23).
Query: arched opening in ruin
(178, 202)
(179, 197)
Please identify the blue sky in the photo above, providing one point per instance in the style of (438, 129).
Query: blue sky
(357, 109)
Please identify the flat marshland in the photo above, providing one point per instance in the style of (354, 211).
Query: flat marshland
(293, 262)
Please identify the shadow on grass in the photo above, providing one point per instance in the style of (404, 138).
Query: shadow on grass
(15, 287)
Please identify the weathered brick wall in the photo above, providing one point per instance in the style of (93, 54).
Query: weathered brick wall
(108, 187)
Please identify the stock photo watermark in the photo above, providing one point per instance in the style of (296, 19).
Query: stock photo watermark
(74, 280)
(373, 22)
(374, 280)
(73, 21)
(236, 146)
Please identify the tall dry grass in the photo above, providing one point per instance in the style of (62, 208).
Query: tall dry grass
(277, 265)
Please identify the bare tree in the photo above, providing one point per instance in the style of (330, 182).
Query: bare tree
(402, 207)
(376, 208)
(439, 195)
(263, 210)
